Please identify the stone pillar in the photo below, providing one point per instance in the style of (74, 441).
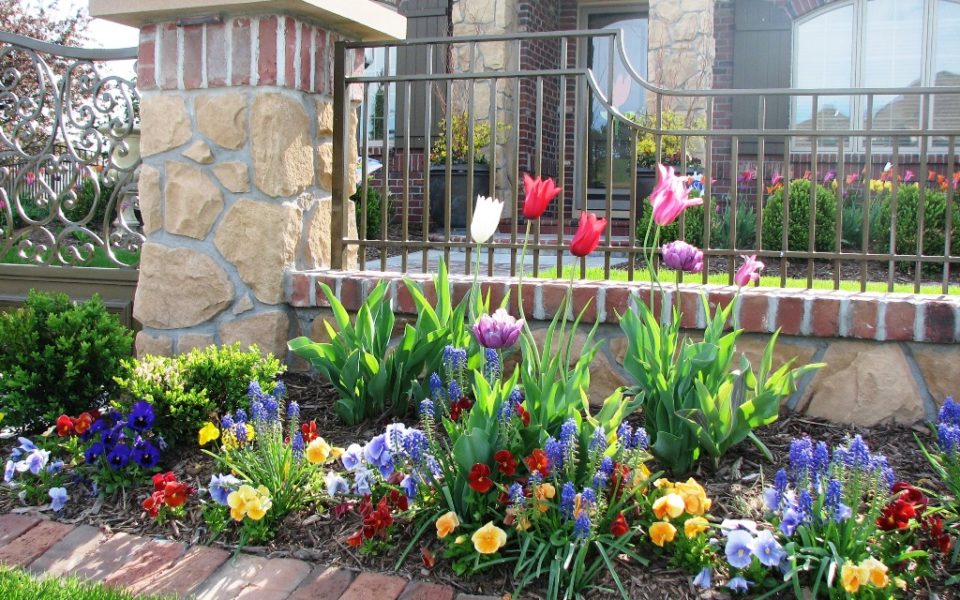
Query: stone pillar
(237, 121)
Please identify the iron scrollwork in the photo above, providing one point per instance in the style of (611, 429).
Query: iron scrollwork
(69, 156)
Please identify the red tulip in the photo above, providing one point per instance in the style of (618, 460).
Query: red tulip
(619, 526)
(588, 233)
(539, 193)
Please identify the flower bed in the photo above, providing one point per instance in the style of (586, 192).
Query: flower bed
(474, 453)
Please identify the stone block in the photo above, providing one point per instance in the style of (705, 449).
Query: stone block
(164, 124)
(199, 152)
(13, 526)
(188, 341)
(150, 199)
(260, 240)
(234, 176)
(316, 250)
(154, 345)
(268, 330)
(421, 590)
(166, 274)
(281, 148)
(324, 117)
(222, 118)
(192, 201)
(184, 576)
(26, 548)
(864, 383)
(938, 366)
(325, 165)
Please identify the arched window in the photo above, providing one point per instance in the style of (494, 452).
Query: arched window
(878, 44)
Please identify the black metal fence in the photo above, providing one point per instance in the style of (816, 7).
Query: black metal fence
(868, 197)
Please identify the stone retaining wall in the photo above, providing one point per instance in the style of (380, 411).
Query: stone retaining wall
(888, 356)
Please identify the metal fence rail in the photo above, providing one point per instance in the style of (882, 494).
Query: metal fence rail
(552, 115)
(69, 155)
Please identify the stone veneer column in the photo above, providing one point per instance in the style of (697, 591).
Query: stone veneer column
(235, 188)
(681, 50)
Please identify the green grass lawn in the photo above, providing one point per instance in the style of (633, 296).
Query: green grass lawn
(99, 259)
(772, 281)
(16, 584)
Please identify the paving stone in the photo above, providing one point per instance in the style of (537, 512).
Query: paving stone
(375, 586)
(13, 526)
(185, 575)
(68, 553)
(476, 597)
(324, 583)
(278, 578)
(109, 557)
(153, 557)
(35, 541)
(231, 578)
(421, 590)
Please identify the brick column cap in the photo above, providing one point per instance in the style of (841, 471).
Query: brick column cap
(365, 20)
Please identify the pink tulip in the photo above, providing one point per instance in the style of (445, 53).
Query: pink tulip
(749, 272)
(670, 198)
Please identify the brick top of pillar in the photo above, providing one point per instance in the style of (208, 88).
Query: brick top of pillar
(359, 19)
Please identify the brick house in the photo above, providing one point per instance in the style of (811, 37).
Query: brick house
(714, 44)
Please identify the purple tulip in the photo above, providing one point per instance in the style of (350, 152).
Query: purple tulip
(499, 330)
(681, 256)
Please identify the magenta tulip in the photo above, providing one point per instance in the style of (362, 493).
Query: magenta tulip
(681, 256)
(670, 198)
(499, 330)
(749, 272)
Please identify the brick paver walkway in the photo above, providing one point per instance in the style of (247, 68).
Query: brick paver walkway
(148, 566)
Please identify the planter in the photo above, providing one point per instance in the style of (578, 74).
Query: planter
(456, 198)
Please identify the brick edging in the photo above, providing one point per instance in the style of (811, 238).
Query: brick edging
(810, 313)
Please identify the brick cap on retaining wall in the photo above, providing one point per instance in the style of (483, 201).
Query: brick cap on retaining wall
(811, 313)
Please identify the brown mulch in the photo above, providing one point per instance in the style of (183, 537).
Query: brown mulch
(735, 487)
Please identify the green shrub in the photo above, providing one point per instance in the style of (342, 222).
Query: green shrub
(57, 357)
(719, 227)
(798, 237)
(373, 211)
(191, 388)
(852, 233)
(694, 226)
(908, 223)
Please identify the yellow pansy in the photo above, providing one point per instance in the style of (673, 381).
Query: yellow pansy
(208, 433)
(336, 452)
(662, 532)
(318, 451)
(852, 577)
(447, 523)
(489, 539)
(694, 497)
(249, 502)
(663, 484)
(695, 526)
(877, 571)
(543, 492)
(670, 506)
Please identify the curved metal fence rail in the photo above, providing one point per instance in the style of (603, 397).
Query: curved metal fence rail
(69, 156)
(883, 206)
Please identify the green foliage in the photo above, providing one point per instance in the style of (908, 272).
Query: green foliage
(374, 215)
(852, 225)
(693, 401)
(460, 141)
(370, 377)
(798, 235)
(188, 389)
(57, 357)
(719, 227)
(670, 145)
(908, 222)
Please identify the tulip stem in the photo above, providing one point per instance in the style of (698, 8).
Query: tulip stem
(526, 326)
(474, 314)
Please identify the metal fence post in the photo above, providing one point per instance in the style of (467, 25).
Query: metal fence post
(341, 121)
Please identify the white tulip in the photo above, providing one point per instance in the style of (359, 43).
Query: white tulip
(486, 219)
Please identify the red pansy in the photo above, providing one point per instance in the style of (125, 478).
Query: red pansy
(524, 415)
(619, 525)
(64, 425)
(506, 463)
(479, 478)
(538, 462)
(309, 431)
(896, 515)
(83, 423)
